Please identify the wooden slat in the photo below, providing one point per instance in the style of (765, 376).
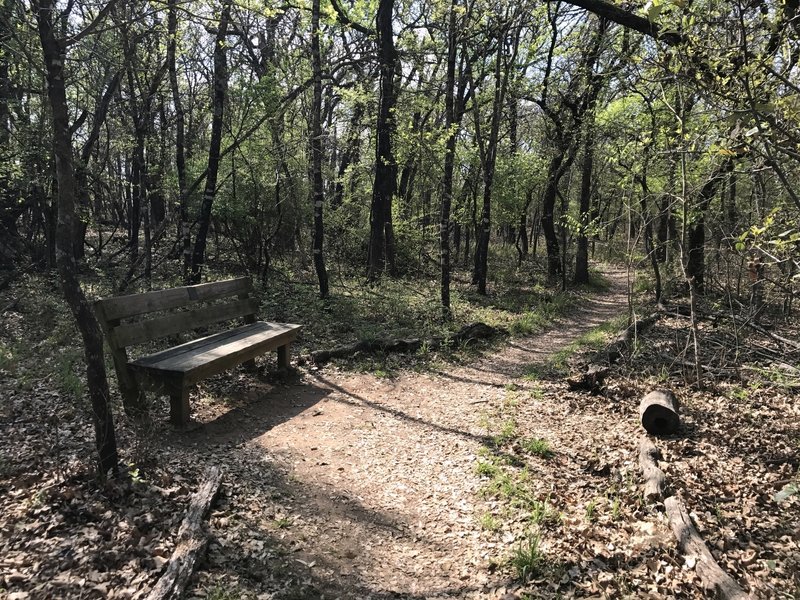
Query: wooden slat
(122, 307)
(201, 358)
(160, 327)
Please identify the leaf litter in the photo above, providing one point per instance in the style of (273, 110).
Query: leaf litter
(424, 485)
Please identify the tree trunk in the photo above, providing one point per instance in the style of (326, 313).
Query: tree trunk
(318, 193)
(582, 253)
(180, 137)
(658, 413)
(54, 53)
(696, 232)
(349, 156)
(381, 241)
(449, 161)
(554, 174)
(220, 89)
(408, 174)
(489, 157)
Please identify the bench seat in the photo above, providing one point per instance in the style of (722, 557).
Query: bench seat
(196, 360)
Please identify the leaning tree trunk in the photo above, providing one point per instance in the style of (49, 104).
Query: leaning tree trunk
(54, 50)
(318, 193)
(220, 89)
(381, 239)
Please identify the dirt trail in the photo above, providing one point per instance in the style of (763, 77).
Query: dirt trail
(382, 471)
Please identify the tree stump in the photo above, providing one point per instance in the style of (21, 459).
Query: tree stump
(658, 413)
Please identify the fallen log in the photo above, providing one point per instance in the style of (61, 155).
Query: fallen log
(654, 479)
(595, 369)
(191, 542)
(714, 579)
(466, 335)
(627, 336)
(658, 413)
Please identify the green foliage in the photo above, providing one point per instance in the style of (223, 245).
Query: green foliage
(222, 592)
(537, 446)
(487, 469)
(489, 522)
(543, 514)
(69, 383)
(591, 511)
(528, 559)
(507, 433)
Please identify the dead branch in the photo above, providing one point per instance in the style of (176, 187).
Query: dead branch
(596, 368)
(192, 540)
(464, 336)
(715, 580)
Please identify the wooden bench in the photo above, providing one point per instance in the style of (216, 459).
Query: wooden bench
(129, 321)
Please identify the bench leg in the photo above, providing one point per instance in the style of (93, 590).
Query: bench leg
(179, 406)
(283, 357)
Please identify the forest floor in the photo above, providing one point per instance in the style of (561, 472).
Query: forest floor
(486, 478)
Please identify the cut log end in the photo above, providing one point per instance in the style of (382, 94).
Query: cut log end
(658, 413)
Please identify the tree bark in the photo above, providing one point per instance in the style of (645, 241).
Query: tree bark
(318, 192)
(654, 479)
(558, 166)
(658, 413)
(54, 53)
(594, 84)
(381, 240)
(192, 540)
(220, 90)
(582, 252)
(449, 161)
(718, 583)
(696, 231)
(489, 154)
(349, 156)
(180, 136)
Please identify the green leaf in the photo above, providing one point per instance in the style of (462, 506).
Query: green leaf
(654, 11)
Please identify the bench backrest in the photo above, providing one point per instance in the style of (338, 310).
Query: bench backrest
(114, 312)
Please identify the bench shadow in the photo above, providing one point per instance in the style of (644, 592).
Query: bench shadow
(248, 408)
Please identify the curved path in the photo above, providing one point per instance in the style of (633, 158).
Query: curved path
(373, 482)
